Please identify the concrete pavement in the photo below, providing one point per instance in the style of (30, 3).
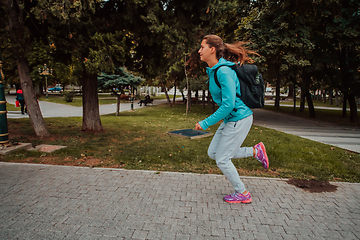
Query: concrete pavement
(62, 202)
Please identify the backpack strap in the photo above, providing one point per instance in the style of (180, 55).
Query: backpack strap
(217, 81)
(218, 84)
(215, 77)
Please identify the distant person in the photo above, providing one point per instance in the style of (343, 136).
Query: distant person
(147, 99)
(237, 117)
(20, 98)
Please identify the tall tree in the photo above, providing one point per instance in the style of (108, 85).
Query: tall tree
(316, 40)
(83, 33)
(283, 35)
(119, 80)
(162, 32)
(339, 40)
(20, 29)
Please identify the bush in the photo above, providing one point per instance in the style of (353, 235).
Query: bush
(68, 96)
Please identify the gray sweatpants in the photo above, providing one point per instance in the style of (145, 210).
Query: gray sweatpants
(226, 145)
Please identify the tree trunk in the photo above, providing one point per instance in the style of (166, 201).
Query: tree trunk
(302, 97)
(17, 33)
(167, 97)
(305, 93)
(203, 99)
(310, 104)
(41, 89)
(337, 102)
(174, 99)
(166, 93)
(344, 106)
(188, 99)
(294, 89)
(183, 96)
(91, 113)
(33, 109)
(117, 102)
(347, 77)
(331, 96)
(277, 97)
(209, 97)
(211, 102)
(353, 108)
(291, 91)
(212, 106)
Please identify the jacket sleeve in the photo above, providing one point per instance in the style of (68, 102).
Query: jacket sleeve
(228, 96)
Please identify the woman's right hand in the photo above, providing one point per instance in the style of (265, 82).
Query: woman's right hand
(198, 127)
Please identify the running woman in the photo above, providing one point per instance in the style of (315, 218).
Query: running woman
(237, 117)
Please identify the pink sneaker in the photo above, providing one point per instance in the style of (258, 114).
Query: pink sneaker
(238, 198)
(261, 155)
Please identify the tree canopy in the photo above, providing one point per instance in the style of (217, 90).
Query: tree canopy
(120, 79)
(311, 44)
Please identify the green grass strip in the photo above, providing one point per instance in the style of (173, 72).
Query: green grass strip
(139, 140)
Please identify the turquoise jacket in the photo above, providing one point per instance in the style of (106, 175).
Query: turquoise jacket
(231, 108)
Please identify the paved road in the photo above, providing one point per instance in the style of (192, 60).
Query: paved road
(61, 202)
(332, 134)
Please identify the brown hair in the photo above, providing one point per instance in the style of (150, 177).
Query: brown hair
(235, 52)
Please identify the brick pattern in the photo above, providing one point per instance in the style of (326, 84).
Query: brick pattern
(59, 202)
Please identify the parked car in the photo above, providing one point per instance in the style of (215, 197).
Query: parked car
(54, 89)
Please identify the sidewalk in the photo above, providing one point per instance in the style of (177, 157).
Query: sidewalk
(50, 109)
(61, 202)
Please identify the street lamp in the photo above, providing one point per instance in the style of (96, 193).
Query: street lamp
(46, 72)
(132, 97)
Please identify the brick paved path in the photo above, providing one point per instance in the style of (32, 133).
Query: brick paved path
(59, 202)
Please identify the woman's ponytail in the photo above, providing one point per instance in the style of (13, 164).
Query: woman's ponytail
(235, 52)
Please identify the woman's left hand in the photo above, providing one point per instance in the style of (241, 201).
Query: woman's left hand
(198, 127)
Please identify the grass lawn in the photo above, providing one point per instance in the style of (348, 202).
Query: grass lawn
(163, 96)
(317, 103)
(11, 107)
(77, 100)
(139, 140)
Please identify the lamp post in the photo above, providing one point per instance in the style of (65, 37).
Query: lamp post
(132, 98)
(46, 72)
